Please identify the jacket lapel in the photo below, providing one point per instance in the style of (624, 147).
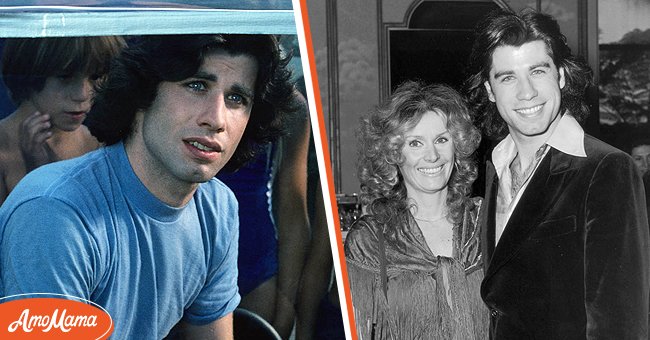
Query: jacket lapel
(538, 198)
(487, 214)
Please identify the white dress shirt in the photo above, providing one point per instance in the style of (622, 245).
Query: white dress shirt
(568, 137)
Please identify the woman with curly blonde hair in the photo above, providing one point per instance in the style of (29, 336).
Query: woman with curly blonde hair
(414, 261)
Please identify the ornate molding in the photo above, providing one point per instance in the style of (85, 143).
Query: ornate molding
(333, 90)
(384, 29)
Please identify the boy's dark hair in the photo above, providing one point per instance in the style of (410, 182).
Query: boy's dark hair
(132, 84)
(505, 28)
(28, 62)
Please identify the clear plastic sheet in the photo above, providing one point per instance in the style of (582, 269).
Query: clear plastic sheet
(52, 18)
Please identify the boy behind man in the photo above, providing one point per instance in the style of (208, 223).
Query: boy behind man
(52, 82)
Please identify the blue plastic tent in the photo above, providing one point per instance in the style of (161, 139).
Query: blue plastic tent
(51, 18)
(56, 18)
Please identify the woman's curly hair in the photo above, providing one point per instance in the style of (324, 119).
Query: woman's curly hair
(381, 138)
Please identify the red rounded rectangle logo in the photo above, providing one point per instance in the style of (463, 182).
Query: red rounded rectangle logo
(63, 317)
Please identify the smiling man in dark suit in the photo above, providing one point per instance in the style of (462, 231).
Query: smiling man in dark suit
(565, 230)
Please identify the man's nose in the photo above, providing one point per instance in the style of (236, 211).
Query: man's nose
(214, 114)
(526, 89)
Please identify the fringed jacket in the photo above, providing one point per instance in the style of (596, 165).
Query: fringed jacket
(401, 290)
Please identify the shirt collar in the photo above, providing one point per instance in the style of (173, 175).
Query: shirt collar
(568, 137)
(504, 153)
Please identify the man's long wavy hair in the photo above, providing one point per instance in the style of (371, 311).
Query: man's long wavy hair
(381, 139)
(132, 85)
(505, 28)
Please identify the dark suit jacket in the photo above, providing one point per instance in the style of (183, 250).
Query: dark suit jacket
(573, 260)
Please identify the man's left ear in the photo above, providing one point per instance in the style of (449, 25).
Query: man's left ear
(562, 80)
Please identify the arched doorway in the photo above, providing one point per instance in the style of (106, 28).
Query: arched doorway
(435, 42)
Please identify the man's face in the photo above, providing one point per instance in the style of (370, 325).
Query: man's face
(525, 85)
(641, 156)
(66, 99)
(193, 126)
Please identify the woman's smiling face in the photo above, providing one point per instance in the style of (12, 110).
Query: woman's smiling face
(428, 154)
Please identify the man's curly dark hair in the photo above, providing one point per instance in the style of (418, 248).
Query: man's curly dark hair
(133, 81)
(505, 28)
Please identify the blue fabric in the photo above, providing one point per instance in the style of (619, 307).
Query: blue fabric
(329, 325)
(6, 105)
(258, 245)
(88, 227)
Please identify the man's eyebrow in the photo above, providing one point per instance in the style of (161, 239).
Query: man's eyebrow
(206, 76)
(243, 90)
(237, 87)
(530, 68)
(500, 74)
(542, 64)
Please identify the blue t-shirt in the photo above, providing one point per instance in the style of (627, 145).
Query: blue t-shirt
(88, 227)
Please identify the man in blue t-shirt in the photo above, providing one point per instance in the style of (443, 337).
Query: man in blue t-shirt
(141, 227)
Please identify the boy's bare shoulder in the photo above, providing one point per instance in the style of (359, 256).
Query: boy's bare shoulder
(84, 142)
(9, 148)
(7, 138)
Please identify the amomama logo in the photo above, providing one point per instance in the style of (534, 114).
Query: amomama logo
(61, 317)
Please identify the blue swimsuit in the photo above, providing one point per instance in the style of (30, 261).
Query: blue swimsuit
(258, 244)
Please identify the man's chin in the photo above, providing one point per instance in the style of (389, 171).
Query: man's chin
(534, 131)
(200, 176)
(203, 179)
